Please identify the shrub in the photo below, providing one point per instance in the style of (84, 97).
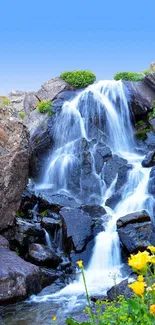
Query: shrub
(140, 123)
(146, 71)
(79, 78)
(142, 134)
(130, 76)
(4, 100)
(22, 115)
(45, 107)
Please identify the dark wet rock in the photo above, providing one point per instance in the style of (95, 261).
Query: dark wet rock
(149, 159)
(135, 217)
(114, 199)
(98, 215)
(136, 231)
(152, 123)
(57, 201)
(112, 167)
(123, 173)
(85, 256)
(150, 141)
(49, 275)
(3, 242)
(42, 255)
(51, 223)
(120, 289)
(90, 189)
(41, 146)
(102, 154)
(78, 225)
(18, 278)
(151, 186)
(32, 229)
(68, 94)
(141, 96)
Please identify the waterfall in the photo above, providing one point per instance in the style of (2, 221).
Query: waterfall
(47, 238)
(103, 104)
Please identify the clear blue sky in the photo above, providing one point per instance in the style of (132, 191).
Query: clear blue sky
(41, 39)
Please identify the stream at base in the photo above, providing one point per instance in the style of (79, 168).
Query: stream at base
(109, 97)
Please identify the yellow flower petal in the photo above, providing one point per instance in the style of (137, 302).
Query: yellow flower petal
(80, 263)
(54, 318)
(140, 278)
(151, 248)
(139, 261)
(152, 310)
(138, 287)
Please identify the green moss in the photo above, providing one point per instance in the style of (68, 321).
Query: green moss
(130, 76)
(44, 213)
(20, 214)
(146, 71)
(4, 100)
(22, 115)
(140, 123)
(79, 78)
(45, 107)
(142, 134)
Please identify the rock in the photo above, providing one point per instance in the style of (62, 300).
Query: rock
(98, 215)
(135, 217)
(14, 152)
(151, 186)
(136, 231)
(102, 154)
(17, 100)
(152, 66)
(35, 120)
(62, 97)
(150, 80)
(49, 276)
(3, 242)
(52, 88)
(114, 199)
(42, 255)
(41, 145)
(120, 289)
(150, 141)
(28, 228)
(149, 159)
(30, 102)
(141, 96)
(152, 123)
(78, 227)
(51, 223)
(18, 279)
(111, 169)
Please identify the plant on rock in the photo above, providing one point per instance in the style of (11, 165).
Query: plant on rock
(129, 76)
(4, 100)
(45, 106)
(79, 78)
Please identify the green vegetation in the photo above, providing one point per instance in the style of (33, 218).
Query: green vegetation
(22, 115)
(45, 107)
(130, 76)
(140, 123)
(146, 71)
(142, 134)
(44, 213)
(79, 78)
(20, 214)
(137, 310)
(4, 100)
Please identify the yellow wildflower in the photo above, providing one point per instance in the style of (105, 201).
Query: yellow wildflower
(54, 318)
(138, 287)
(151, 248)
(151, 259)
(152, 310)
(138, 261)
(140, 278)
(80, 264)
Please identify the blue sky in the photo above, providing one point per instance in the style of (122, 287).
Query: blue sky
(41, 39)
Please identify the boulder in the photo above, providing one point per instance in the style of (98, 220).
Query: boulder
(136, 231)
(150, 140)
(50, 89)
(18, 279)
(102, 154)
(14, 152)
(149, 159)
(141, 95)
(111, 169)
(114, 199)
(120, 289)
(35, 120)
(151, 186)
(152, 123)
(78, 225)
(3, 242)
(150, 79)
(42, 255)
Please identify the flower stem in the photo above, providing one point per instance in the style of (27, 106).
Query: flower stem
(87, 296)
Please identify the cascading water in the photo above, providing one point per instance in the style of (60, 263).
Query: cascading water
(110, 113)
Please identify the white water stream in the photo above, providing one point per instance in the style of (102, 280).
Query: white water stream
(73, 123)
